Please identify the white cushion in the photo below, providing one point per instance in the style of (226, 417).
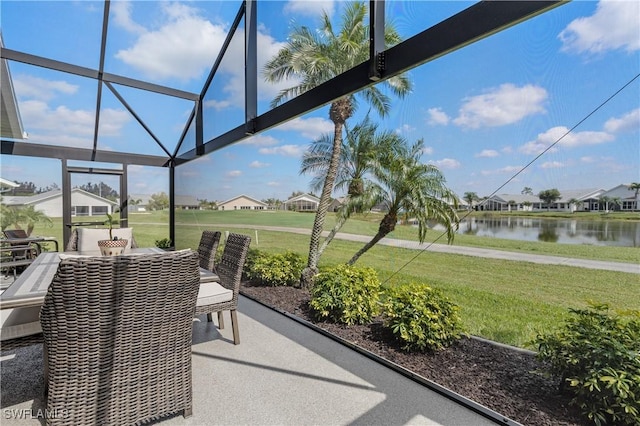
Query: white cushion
(211, 293)
(88, 237)
(19, 322)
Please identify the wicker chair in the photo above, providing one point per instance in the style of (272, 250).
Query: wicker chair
(207, 249)
(230, 272)
(118, 334)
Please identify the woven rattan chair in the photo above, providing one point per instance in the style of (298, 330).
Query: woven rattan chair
(118, 334)
(229, 269)
(207, 249)
(73, 245)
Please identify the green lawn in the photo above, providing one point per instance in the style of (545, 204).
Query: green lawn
(506, 301)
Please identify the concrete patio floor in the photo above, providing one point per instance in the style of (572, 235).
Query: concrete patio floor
(282, 373)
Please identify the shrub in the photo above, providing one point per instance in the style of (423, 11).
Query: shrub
(274, 269)
(346, 294)
(597, 357)
(421, 317)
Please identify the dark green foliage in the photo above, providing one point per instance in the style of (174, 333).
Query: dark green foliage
(597, 357)
(163, 243)
(421, 317)
(274, 269)
(346, 294)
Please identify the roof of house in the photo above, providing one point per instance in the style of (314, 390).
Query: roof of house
(565, 194)
(186, 200)
(243, 196)
(621, 191)
(22, 200)
(306, 197)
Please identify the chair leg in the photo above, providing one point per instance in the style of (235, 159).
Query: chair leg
(188, 412)
(209, 317)
(234, 326)
(220, 320)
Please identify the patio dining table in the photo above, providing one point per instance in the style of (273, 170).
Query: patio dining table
(30, 288)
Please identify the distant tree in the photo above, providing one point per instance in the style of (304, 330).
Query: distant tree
(159, 201)
(610, 201)
(549, 196)
(470, 198)
(574, 202)
(207, 205)
(511, 203)
(273, 202)
(25, 188)
(635, 186)
(296, 193)
(53, 187)
(526, 191)
(23, 218)
(101, 190)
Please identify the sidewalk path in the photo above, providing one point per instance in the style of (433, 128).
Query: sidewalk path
(631, 268)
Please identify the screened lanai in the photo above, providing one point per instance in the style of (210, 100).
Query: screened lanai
(190, 103)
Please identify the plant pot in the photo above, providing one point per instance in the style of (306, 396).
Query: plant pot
(112, 247)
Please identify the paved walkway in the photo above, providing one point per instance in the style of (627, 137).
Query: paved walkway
(282, 373)
(467, 251)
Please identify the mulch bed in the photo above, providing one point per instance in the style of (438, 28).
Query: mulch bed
(502, 379)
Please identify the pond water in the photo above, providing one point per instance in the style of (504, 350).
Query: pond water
(563, 231)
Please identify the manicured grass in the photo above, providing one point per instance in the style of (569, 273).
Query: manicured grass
(506, 301)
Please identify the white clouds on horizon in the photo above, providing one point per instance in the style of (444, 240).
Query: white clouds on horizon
(569, 140)
(628, 122)
(233, 173)
(437, 117)
(286, 150)
(446, 163)
(310, 128)
(500, 106)
(614, 25)
(501, 170)
(258, 165)
(30, 87)
(313, 9)
(487, 153)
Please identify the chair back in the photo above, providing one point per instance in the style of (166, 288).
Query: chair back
(229, 268)
(123, 326)
(15, 233)
(207, 249)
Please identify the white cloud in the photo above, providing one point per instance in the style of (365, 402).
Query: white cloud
(571, 140)
(29, 87)
(312, 8)
(587, 159)
(502, 170)
(614, 25)
(122, 17)
(233, 173)
(437, 117)
(552, 165)
(286, 150)
(405, 128)
(628, 122)
(446, 163)
(260, 140)
(272, 183)
(258, 165)
(309, 128)
(428, 150)
(217, 105)
(505, 105)
(487, 153)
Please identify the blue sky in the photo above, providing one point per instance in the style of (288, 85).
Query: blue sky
(484, 111)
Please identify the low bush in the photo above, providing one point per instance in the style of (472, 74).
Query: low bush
(596, 355)
(274, 269)
(346, 294)
(421, 317)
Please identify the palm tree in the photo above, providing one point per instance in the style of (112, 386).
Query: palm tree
(404, 184)
(359, 156)
(470, 198)
(33, 216)
(313, 57)
(635, 186)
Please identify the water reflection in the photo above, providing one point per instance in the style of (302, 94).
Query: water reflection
(564, 231)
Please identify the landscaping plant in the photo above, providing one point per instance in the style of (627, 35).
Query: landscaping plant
(421, 317)
(597, 357)
(346, 294)
(281, 269)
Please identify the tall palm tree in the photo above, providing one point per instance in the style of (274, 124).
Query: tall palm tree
(470, 198)
(359, 155)
(635, 186)
(404, 184)
(313, 57)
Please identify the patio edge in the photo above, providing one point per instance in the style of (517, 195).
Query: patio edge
(448, 393)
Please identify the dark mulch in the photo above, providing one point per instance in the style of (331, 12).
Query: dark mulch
(500, 378)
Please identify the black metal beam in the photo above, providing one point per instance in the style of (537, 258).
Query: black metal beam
(65, 67)
(472, 24)
(28, 149)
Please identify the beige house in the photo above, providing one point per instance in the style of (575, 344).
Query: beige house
(242, 202)
(302, 202)
(83, 203)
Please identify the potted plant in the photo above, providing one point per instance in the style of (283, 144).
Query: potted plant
(113, 246)
(165, 244)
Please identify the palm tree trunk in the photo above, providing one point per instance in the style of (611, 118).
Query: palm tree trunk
(380, 235)
(306, 279)
(341, 221)
(387, 225)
